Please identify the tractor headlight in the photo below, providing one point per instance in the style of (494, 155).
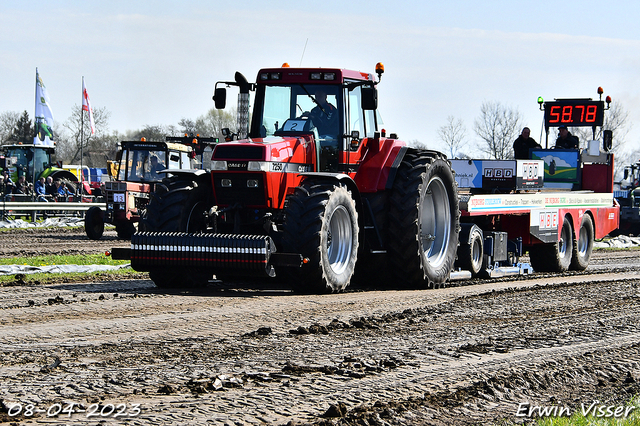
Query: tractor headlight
(257, 166)
(252, 183)
(218, 165)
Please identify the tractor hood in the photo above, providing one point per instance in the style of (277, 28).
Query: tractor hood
(271, 154)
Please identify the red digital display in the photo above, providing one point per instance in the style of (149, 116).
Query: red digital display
(573, 113)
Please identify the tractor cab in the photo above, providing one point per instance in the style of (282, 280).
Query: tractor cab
(29, 161)
(335, 106)
(142, 161)
(34, 162)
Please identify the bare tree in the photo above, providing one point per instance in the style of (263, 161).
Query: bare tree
(498, 126)
(156, 132)
(453, 135)
(94, 148)
(415, 143)
(212, 123)
(188, 126)
(8, 121)
(616, 119)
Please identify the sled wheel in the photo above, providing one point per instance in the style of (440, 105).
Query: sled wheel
(583, 245)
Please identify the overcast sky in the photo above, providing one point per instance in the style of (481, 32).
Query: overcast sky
(155, 62)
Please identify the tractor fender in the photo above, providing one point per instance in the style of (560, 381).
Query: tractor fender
(398, 161)
(337, 177)
(185, 172)
(61, 174)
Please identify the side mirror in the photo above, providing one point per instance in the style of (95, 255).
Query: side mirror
(369, 99)
(220, 97)
(118, 156)
(607, 140)
(626, 174)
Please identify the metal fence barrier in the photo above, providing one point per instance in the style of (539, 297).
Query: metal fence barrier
(34, 209)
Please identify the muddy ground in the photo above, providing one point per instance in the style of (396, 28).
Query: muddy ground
(124, 352)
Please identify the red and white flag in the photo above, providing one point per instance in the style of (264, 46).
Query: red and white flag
(86, 106)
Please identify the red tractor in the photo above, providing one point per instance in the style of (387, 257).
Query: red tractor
(313, 192)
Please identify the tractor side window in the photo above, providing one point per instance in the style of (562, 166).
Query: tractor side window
(122, 166)
(186, 161)
(41, 161)
(277, 101)
(362, 121)
(174, 160)
(356, 116)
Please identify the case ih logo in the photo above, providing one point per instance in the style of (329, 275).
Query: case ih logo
(498, 173)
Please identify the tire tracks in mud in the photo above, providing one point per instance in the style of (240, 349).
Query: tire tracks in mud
(449, 356)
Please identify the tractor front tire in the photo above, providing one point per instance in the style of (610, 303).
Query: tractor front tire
(94, 223)
(424, 220)
(321, 223)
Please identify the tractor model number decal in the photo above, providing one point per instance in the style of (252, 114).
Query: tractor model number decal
(118, 198)
(290, 167)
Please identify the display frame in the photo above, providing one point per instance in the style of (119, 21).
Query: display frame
(573, 113)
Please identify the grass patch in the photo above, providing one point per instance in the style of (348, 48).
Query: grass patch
(578, 418)
(40, 278)
(77, 259)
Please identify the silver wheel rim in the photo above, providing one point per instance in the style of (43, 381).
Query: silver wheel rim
(583, 241)
(476, 252)
(564, 238)
(435, 222)
(339, 240)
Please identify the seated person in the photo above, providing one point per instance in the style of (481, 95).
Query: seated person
(566, 140)
(40, 189)
(63, 191)
(324, 116)
(156, 166)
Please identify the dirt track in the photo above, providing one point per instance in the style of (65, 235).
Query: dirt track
(241, 355)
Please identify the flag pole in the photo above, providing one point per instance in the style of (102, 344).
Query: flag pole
(81, 140)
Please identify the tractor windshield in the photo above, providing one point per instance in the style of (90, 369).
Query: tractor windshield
(314, 106)
(142, 165)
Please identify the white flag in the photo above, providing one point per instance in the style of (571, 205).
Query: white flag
(86, 106)
(44, 116)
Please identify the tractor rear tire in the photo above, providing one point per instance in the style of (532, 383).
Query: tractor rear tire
(321, 223)
(554, 257)
(94, 223)
(424, 221)
(583, 245)
(176, 206)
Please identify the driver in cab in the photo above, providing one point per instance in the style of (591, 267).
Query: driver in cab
(324, 115)
(156, 166)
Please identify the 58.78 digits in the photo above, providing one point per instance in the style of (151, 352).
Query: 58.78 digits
(573, 114)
